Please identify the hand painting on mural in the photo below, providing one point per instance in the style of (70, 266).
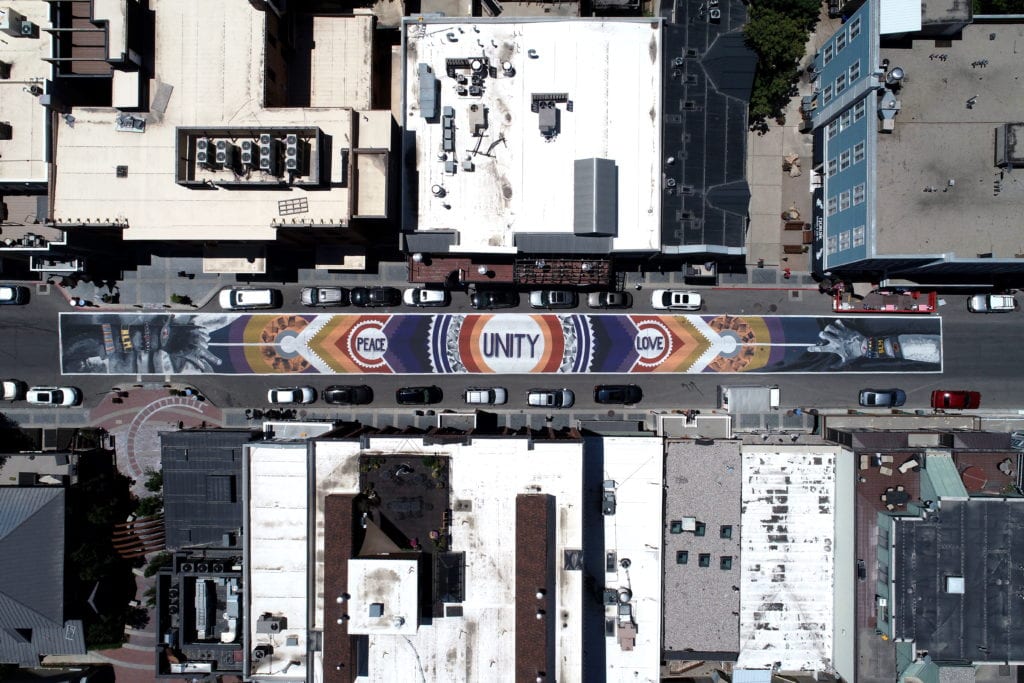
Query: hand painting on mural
(142, 344)
(848, 346)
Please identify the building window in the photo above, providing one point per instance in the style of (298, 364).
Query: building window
(859, 236)
(682, 556)
(858, 153)
(725, 531)
(840, 42)
(844, 119)
(844, 200)
(701, 529)
(831, 167)
(859, 109)
(832, 204)
(830, 245)
(840, 83)
(826, 94)
(858, 194)
(725, 562)
(676, 527)
(854, 28)
(844, 160)
(828, 54)
(704, 559)
(844, 240)
(854, 71)
(833, 129)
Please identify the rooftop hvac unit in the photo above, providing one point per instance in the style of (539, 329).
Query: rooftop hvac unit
(226, 153)
(202, 567)
(28, 29)
(268, 624)
(250, 154)
(292, 156)
(268, 154)
(204, 152)
(11, 23)
(187, 567)
(6, 132)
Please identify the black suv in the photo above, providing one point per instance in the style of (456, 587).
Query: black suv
(622, 394)
(342, 393)
(418, 396)
(495, 298)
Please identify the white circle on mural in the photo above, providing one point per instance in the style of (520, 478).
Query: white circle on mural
(652, 343)
(511, 343)
(367, 344)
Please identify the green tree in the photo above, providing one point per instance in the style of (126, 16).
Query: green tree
(154, 480)
(150, 505)
(778, 39)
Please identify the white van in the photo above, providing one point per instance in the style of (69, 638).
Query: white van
(238, 299)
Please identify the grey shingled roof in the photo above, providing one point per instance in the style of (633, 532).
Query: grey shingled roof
(32, 566)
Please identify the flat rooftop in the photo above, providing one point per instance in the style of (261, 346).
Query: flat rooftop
(521, 181)
(633, 532)
(485, 478)
(23, 157)
(788, 563)
(972, 540)
(938, 139)
(211, 61)
(275, 558)
(701, 605)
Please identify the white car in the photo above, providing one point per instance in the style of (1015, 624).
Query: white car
(550, 398)
(12, 389)
(418, 296)
(288, 395)
(13, 294)
(992, 303)
(675, 300)
(495, 396)
(54, 396)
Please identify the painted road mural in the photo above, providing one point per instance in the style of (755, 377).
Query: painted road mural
(504, 343)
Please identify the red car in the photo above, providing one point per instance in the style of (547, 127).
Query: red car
(955, 400)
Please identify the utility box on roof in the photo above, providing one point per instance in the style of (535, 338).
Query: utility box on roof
(749, 399)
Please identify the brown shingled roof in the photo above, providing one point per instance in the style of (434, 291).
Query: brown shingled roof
(535, 570)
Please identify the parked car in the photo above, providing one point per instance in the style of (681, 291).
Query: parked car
(12, 389)
(348, 394)
(324, 296)
(13, 294)
(419, 396)
(675, 300)
(494, 396)
(553, 298)
(372, 297)
(992, 303)
(955, 400)
(882, 398)
(421, 296)
(494, 298)
(618, 394)
(289, 395)
(53, 396)
(245, 299)
(550, 398)
(609, 299)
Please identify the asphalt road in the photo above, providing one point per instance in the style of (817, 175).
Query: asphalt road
(981, 352)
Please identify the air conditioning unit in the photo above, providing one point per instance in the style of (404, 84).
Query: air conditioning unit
(28, 29)
(268, 154)
(6, 132)
(204, 152)
(226, 154)
(292, 153)
(250, 154)
(12, 23)
(187, 567)
(268, 624)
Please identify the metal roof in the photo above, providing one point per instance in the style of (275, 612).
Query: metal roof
(32, 566)
(202, 470)
(708, 75)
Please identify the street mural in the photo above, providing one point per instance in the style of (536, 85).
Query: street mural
(486, 343)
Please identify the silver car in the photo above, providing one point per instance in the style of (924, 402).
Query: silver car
(550, 398)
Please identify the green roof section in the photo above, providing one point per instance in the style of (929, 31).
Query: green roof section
(941, 478)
